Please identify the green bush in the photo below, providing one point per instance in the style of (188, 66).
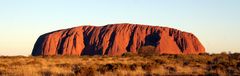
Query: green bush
(203, 54)
(128, 54)
(238, 65)
(83, 71)
(147, 51)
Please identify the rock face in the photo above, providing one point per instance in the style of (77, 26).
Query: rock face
(116, 39)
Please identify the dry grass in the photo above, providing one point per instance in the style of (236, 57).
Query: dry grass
(216, 64)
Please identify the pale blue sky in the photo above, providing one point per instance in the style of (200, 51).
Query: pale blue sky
(215, 22)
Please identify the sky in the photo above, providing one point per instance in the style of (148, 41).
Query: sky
(215, 22)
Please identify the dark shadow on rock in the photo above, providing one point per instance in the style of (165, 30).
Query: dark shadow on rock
(131, 39)
(152, 39)
(90, 49)
(111, 41)
(60, 49)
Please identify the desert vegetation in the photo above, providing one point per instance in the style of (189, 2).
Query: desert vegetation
(126, 65)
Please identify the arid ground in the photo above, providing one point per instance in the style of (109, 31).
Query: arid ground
(126, 65)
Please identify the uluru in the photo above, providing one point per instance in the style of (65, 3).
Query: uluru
(116, 39)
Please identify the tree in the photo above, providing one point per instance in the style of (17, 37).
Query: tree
(147, 51)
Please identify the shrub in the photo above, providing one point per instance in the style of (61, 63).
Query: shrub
(149, 66)
(230, 71)
(147, 51)
(3, 65)
(235, 56)
(46, 73)
(148, 74)
(185, 63)
(133, 67)
(76, 69)
(128, 54)
(221, 60)
(238, 65)
(160, 61)
(224, 53)
(83, 71)
(211, 74)
(63, 65)
(2, 72)
(171, 69)
(111, 67)
(203, 54)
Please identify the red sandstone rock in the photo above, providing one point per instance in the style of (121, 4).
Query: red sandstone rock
(116, 39)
